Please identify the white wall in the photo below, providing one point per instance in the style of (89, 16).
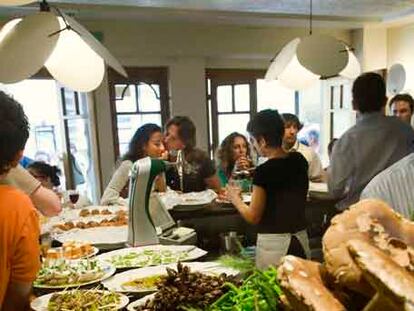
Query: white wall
(187, 50)
(400, 50)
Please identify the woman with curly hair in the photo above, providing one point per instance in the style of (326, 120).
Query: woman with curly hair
(233, 154)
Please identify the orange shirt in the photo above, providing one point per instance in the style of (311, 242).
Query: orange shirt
(19, 239)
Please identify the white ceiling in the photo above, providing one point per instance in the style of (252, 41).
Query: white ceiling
(327, 13)
(348, 8)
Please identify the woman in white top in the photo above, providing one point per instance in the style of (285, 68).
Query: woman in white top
(146, 142)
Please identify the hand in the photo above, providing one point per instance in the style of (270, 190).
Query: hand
(243, 163)
(164, 155)
(233, 193)
(222, 194)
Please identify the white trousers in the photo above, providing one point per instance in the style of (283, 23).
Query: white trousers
(270, 248)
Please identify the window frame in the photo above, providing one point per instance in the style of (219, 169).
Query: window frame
(219, 77)
(137, 75)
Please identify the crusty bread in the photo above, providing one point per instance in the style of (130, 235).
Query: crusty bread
(302, 284)
(393, 283)
(358, 223)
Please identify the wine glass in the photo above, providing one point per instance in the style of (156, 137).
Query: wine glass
(73, 197)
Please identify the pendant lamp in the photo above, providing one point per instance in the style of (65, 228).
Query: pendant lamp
(305, 60)
(15, 2)
(70, 53)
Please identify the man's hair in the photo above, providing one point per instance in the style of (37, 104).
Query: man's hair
(290, 119)
(186, 130)
(405, 98)
(14, 131)
(269, 125)
(368, 92)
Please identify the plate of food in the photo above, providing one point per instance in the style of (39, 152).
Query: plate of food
(61, 273)
(145, 280)
(199, 284)
(101, 237)
(153, 255)
(72, 250)
(80, 300)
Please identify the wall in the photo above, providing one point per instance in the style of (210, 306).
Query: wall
(187, 50)
(400, 50)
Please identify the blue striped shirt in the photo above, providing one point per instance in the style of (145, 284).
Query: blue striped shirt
(395, 186)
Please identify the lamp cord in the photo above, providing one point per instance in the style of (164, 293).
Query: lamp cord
(310, 17)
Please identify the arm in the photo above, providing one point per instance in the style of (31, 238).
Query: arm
(24, 263)
(316, 173)
(340, 169)
(254, 212)
(213, 182)
(160, 183)
(17, 297)
(45, 200)
(118, 181)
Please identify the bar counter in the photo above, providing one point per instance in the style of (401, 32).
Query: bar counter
(213, 220)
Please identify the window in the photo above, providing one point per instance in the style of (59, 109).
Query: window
(78, 138)
(235, 95)
(141, 98)
(60, 130)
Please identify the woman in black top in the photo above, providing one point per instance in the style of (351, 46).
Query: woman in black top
(280, 186)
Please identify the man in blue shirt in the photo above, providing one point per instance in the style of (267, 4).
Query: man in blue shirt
(374, 143)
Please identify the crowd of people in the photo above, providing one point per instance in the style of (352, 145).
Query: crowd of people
(373, 159)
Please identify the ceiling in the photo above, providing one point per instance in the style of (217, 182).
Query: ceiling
(327, 13)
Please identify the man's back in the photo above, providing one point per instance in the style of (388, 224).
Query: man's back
(369, 147)
(19, 240)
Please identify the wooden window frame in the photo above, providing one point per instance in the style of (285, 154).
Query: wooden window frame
(136, 75)
(232, 77)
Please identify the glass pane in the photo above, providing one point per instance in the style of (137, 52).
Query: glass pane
(69, 102)
(224, 98)
(80, 156)
(273, 95)
(126, 100)
(83, 103)
(242, 97)
(40, 101)
(148, 97)
(229, 123)
(128, 124)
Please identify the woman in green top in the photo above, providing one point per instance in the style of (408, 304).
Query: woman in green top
(233, 154)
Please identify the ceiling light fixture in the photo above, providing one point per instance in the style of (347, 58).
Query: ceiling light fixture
(71, 54)
(303, 61)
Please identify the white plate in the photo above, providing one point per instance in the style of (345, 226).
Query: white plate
(107, 268)
(171, 198)
(41, 303)
(115, 283)
(101, 237)
(140, 302)
(95, 251)
(193, 253)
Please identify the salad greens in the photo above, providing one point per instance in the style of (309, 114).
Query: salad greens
(84, 300)
(63, 272)
(147, 258)
(259, 292)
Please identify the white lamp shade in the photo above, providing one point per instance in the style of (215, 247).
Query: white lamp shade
(74, 64)
(25, 45)
(296, 77)
(323, 55)
(14, 2)
(282, 60)
(95, 45)
(353, 68)
(396, 79)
